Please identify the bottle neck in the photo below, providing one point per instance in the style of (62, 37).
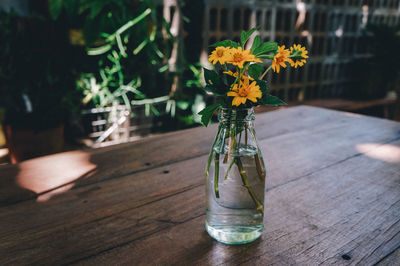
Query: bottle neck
(229, 115)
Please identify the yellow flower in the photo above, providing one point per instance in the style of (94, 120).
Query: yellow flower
(238, 57)
(230, 73)
(220, 54)
(298, 55)
(245, 91)
(280, 58)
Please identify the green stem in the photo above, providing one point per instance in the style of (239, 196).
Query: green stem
(229, 168)
(212, 152)
(260, 172)
(232, 142)
(265, 72)
(245, 181)
(216, 175)
(238, 77)
(245, 134)
(238, 142)
(209, 162)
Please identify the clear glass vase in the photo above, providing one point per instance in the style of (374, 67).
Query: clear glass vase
(235, 180)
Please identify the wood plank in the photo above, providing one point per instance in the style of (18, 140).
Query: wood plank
(349, 105)
(347, 213)
(32, 178)
(37, 176)
(337, 104)
(306, 143)
(391, 259)
(44, 174)
(114, 196)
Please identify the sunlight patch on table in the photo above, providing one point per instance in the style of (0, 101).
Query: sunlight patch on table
(384, 152)
(48, 195)
(54, 172)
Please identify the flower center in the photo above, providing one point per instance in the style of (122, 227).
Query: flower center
(243, 92)
(220, 53)
(238, 57)
(279, 59)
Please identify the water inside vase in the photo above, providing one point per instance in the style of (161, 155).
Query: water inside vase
(233, 216)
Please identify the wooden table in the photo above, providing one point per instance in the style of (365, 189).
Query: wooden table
(333, 197)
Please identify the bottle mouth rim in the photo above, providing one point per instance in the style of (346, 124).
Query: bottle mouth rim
(241, 114)
(237, 109)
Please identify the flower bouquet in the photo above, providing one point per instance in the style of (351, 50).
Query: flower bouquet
(235, 191)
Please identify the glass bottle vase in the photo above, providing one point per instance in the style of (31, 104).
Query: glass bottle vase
(235, 180)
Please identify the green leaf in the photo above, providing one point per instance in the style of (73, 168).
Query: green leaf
(255, 70)
(211, 77)
(213, 90)
(263, 86)
(266, 47)
(207, 113)
(225, 43)
(266, 56)
(244, 36)
(229, 80)
(55, 8)
(256, 43)
(272, 101)
(250, 32)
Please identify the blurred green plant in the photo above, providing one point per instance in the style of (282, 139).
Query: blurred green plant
(132, 44)
(109, 86)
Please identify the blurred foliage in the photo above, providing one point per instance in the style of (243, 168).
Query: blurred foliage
(132, 44)
(37, 71)
(99, 53)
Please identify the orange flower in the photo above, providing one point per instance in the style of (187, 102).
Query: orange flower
(245, 91)
(230, 73)
(220, 54)
(298, 55)
(280, 59)
(238, 57)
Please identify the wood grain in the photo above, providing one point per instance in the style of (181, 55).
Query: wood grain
(318, 219)
(315, 174)
(81, 168)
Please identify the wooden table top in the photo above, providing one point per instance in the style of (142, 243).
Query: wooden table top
(333, 197)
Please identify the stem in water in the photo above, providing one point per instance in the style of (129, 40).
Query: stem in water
(229, 168)
(216, 174)
(245, 181)
(260, 172)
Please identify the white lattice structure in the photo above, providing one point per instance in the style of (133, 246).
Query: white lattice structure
(330, 29)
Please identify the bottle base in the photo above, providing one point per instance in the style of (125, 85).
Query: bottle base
(234, 235)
